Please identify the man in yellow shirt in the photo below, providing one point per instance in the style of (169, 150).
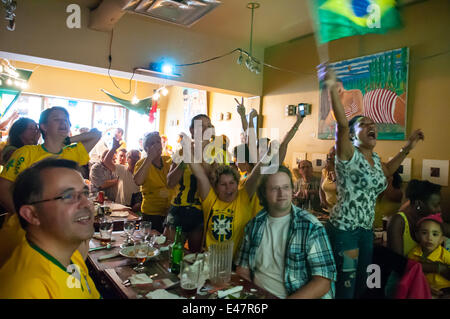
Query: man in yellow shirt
(54, 124)
(150, 173)
(51, 200)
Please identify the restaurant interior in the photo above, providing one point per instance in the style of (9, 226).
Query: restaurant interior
(103, 61)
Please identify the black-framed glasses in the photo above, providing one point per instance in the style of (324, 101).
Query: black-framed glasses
(70, 197)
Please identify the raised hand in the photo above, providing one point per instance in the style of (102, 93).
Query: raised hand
(326, 75)
(414, 138)
(240, 107)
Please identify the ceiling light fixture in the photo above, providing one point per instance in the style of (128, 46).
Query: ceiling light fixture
(252, 64)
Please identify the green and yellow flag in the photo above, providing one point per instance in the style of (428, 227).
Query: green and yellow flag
(337, 19)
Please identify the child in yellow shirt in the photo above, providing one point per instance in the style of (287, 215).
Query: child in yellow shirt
(430, 237)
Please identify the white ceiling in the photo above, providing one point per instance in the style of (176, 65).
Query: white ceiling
(276, 21)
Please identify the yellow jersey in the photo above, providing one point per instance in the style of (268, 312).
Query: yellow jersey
(11, 235)
(27, 155)
(226, 221)
(187, 190)
(31, 273)
(156, 196)
(440, 255)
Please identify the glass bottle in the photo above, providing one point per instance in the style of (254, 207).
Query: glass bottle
(177, 252)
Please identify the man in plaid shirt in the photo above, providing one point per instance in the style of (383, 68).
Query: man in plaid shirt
(285, 249)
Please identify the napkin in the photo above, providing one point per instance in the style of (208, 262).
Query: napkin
(224, 293)
(162, 294)
(140, 279)
(160, 239)
(116, 206)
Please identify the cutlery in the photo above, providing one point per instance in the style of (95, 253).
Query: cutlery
(108, 246)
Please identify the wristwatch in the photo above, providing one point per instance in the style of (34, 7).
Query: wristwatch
(402, 150)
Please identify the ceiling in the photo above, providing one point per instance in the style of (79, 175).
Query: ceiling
(276, 21)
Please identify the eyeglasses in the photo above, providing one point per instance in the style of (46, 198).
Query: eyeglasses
(70, 197)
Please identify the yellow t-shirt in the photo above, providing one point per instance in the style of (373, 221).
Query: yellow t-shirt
(187, 194)
(226, 221)
(31, 273)
(27, 155)
(156, 196)
(440, 255)
(11, 235)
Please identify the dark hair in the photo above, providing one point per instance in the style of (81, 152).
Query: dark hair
(352, 122)
(17, 130)
(261, 191)
(29, 185)
(197, 117)
(43, 119)
(421, 190)
(124, 150)
(220, 170)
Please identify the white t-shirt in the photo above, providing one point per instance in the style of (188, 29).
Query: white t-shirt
(269, 270)
(126, 186)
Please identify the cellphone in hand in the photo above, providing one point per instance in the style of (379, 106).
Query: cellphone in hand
(301, 109)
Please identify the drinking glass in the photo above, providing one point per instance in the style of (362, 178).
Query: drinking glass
(106, 229)
(129, 226)
(141, 250)
(146, 229)
(189, 277)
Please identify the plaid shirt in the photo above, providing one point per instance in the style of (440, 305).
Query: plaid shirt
(308, 251)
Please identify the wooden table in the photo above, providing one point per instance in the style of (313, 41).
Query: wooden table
(111, 273)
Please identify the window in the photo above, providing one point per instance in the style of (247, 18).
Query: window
(107, 118)
(138, 125)
(26, 105)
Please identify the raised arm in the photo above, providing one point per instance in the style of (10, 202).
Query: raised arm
(108, 161)
(141, 174)
(11, 118)
(89, 139)
(288, 137)
(251, 183)
(344, 147)
(241, 111)
(390, 167)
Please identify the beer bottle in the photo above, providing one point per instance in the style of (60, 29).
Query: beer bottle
(177, 252)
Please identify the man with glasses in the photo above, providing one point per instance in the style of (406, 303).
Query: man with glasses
(51, 200)
(285, 249)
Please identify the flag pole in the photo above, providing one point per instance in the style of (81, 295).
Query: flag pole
(322, 48)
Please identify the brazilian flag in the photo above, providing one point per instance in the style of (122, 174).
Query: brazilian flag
(342, 18)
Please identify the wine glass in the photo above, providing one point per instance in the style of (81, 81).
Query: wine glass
(146, 229)
(129, 226)
(141, 250)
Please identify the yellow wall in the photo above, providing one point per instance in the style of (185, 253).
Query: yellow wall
(426, 33)
(47, 80)
(41, 31)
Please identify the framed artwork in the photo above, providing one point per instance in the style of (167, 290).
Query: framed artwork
(375, 86)
(318, 161)
(194, 102)
(435, 171)
(297, 157)
(405, 169)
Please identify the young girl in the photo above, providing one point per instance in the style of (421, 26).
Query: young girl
(430, 249)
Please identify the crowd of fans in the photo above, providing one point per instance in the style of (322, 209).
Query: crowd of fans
(248, 196)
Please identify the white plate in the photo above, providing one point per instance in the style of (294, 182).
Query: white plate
(129, 252)
(119, 214)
